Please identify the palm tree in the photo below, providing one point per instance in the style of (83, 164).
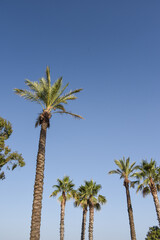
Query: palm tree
(150, 174)
(65, 187)
(81, 200)
(126, 170)
(94, 202)
(52, 101)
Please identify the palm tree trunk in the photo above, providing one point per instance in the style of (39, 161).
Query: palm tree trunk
(83, 224)
(130, 212)
(62, 220)
(38, 186)
(91, 220)
(156, 200)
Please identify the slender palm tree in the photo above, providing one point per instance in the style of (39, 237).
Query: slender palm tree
(65, 187)
(81, 199)
(150, 176)
(126, 170)
(52, 101)
(94, 201)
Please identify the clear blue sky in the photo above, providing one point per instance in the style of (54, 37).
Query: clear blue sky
(111, 49)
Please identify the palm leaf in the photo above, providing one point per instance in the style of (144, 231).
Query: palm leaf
(118, 163)
(145, 191)
(28, 95)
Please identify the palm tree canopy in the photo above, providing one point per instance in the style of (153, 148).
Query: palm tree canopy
(47, 95)
(80, 197)
(125, 169)
(93, 198)
(65, 187)
(149, 173)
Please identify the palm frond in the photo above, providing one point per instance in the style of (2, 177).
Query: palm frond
(118, 163)
(61, 107)
(113, 172)
(102, 199)
(56, 90)
(72, 114)
(145, 191)
(32, 85)
(48, 78)
(28, 95)
(54, 194)
(97, 206)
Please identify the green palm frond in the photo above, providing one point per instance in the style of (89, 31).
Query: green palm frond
(61, 107)
(102, 199)
(139, 188)
(72, 114)
(113, 172)
(133, 183)
(48, 78)
(127, 165)
(97, 206)
(54, 194)
(60, 199)
(56, 91)
(118, 163)
(28, 96)
(145, 191)
(33, 85)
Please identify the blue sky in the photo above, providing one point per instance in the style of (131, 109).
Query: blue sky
(110, 49)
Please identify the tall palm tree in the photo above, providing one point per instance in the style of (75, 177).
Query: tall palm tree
(126, 170)
(94, 201)
(65, 187)
(150, 176)
(81, 199)
(52, 101)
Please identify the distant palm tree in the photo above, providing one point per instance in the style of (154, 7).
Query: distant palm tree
(81, 199)
(94, 201)
(65, 187)
(150, 175)
(51, 99)
(125, 170)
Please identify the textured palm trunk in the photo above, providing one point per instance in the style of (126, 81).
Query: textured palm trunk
(91, 220)
(38, 186)
(130, 212)
(62, 220)
(83, 224)
(156, 200)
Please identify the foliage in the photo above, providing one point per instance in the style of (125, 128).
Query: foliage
(65, 187)
(153, 233)
(149, 173)
(92, 188)
(81, 197)
(125, 170)
(48, 96)
(7, 158)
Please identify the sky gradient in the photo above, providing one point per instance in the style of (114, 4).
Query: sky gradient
(111, 49)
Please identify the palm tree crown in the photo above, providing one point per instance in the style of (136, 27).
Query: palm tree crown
(64, 186)
(92, 190)
(149, 174)
(48, 96)
(125, 170)
(81, 197)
